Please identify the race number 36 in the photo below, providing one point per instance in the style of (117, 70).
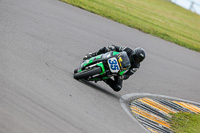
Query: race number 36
(113, 64)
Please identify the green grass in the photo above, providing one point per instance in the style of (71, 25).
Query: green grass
(184, 122)
(157, 17)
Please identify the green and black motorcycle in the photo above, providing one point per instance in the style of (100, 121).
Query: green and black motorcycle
(104, 66)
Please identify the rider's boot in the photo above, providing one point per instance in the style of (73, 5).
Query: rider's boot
(116, 84)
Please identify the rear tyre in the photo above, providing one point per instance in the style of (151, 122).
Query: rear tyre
(87, 74)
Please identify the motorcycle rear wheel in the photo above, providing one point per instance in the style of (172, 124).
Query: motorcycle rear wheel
(87, 74)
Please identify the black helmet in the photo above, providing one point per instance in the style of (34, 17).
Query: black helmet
(138, 55)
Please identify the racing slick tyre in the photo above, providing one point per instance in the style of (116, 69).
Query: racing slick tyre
(87, 74)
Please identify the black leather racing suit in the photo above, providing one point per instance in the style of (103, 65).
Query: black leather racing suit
(116, 84)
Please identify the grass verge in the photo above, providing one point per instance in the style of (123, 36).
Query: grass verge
(184, 122)
(157, 17)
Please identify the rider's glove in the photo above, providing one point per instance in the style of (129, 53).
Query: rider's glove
(121, 77)
(87, 56)
(110, 48)
(124, 77)
(128, 74)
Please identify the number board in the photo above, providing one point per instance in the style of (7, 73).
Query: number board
(113, 65)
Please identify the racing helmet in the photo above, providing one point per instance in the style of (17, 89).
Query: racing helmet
(138, 55)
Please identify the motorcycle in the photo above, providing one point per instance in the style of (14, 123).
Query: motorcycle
(103, 66)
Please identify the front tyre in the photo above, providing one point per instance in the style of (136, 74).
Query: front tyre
(87, 74)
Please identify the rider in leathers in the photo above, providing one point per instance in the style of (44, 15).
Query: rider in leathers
(135, 56)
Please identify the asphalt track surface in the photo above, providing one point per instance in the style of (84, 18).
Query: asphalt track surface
(42, 41)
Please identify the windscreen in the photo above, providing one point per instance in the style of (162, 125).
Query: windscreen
(123, 60)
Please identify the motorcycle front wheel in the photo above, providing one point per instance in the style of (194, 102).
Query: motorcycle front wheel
(87, 74)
